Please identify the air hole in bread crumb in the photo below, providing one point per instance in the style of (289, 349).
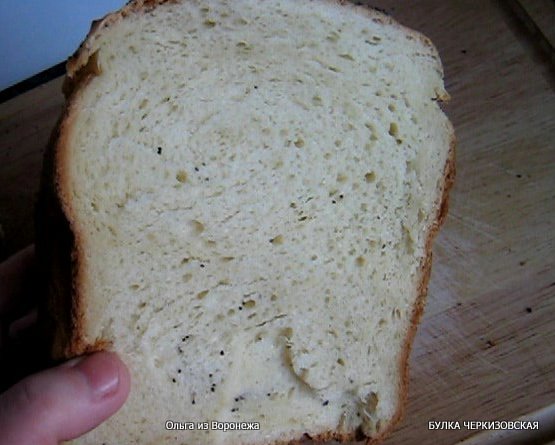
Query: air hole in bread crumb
(249, 304)
(370, 177)
(347, 56)
(277, 240)
(393, 129)
(341, 177)
(202, 294)
(197, 226)
(317, 100)
(244, 45)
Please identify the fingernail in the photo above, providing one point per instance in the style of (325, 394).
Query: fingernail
(71, 363)
(101, 372)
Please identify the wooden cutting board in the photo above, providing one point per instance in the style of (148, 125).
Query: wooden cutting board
(486, 347)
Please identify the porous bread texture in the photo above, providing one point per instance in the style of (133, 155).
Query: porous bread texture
(253, 187)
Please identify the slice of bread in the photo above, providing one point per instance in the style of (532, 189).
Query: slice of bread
(240, 200)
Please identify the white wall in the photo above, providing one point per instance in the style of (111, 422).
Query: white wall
(38, 34)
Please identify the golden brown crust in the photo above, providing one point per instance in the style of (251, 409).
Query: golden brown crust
(426, 268)
(57, 252)
(59, 242)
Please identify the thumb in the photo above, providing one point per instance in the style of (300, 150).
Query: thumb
(64, 402)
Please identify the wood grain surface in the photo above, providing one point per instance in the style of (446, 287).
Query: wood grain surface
(486, 347)
(25, 126)
(542, 14)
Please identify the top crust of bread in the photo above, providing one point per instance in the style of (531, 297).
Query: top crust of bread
(60, 239)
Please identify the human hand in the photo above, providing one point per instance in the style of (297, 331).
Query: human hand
(59, 403)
